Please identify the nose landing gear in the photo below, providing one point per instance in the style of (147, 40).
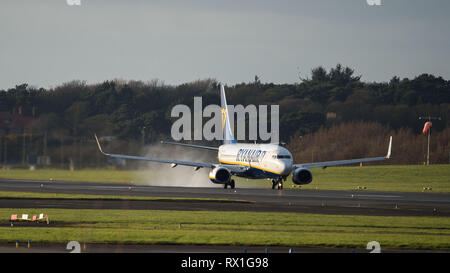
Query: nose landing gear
(277, 183)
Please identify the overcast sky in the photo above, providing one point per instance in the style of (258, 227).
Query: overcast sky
(47, 42)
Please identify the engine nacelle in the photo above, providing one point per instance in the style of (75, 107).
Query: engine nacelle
(301, 176)
(220, 176)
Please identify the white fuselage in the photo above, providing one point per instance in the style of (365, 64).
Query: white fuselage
(264, 160)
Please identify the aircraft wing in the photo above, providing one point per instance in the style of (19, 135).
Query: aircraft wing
(168, 161)
(343, 162)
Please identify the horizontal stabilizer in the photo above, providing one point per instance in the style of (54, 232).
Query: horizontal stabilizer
(190, 145)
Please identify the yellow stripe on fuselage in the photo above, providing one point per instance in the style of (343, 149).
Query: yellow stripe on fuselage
(246, 164)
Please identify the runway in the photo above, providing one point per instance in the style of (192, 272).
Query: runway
(129, 248)
(256, 199)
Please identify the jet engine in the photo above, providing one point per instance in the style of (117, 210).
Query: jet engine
(220, 175)
(301, 176)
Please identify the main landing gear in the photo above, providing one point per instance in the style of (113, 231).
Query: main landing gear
(231, 184)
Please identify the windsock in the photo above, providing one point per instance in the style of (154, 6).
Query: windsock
(427, 127)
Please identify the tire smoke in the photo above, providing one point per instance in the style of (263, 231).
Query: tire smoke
(160, 174)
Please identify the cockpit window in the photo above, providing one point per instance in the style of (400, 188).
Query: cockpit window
(283, 156)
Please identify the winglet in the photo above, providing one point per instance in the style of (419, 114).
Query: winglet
(98, 143)
(389, 149)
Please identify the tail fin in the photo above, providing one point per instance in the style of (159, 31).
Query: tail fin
(226, 128)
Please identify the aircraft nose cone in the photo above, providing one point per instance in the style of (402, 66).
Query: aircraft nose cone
(285, 167)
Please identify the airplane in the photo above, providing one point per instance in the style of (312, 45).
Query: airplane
(253, 161)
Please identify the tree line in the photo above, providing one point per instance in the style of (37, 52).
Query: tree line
(139, 112)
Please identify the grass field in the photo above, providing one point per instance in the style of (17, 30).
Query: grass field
(229, 228)
(409, 178)
(237, 228)
(88, 175)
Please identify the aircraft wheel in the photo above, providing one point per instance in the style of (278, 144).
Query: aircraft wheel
(232, 184)
(273, 184)
(225, 186)
(280, 185)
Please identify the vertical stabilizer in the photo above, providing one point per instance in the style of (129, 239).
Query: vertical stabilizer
(226, 128)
